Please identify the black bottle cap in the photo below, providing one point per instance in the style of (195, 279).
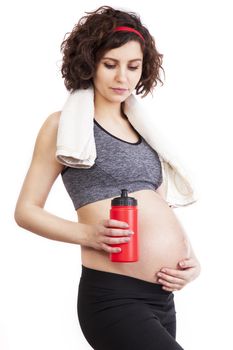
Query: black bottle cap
(124, 200)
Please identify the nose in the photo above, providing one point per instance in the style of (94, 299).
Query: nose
(121, 74)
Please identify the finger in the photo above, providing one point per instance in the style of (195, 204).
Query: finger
(109, 249)
(168, 278)
(115, 223)
(174, 273)
(187, 263)
(184, 276)
(169, 289)
(172, 286)
(117, 232)
(119, 240)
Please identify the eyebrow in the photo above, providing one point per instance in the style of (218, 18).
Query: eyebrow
(113, 59)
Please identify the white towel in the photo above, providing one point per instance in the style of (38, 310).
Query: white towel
(76, 143)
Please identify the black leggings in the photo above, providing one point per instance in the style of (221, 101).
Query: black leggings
(118, 312)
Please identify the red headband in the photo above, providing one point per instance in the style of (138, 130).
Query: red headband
(129, 29)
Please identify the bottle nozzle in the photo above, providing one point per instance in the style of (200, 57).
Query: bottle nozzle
(124, 199)
(124, 193)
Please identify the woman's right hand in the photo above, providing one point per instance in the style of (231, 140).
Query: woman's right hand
(107, 232)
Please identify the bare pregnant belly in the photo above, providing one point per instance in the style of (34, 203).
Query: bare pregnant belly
(162, 239)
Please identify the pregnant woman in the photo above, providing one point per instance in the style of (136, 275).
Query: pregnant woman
(110, 54)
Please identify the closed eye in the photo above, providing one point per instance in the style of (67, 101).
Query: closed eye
(112, 66)
(133, 68)
(109, 66)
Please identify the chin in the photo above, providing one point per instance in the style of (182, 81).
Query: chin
(119, 98)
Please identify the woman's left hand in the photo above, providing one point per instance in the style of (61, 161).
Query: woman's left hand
(176, 279)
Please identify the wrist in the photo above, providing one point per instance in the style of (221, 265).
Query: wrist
(85, 234)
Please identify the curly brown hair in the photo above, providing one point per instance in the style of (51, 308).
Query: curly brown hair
(94, 35)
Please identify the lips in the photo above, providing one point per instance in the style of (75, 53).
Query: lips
(119, 90)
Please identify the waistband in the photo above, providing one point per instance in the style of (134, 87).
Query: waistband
(120, 282)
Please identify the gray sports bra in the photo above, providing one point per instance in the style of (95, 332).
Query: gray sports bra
(119, 164)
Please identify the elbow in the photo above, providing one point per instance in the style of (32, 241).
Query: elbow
(20, 216)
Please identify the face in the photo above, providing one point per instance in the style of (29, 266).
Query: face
(118, 72)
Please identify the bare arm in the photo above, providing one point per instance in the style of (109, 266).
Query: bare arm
(42, 173)
(188, 269)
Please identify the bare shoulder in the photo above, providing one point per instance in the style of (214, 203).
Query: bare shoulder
(50, 126)
(45, 145)
(52, 121)
(55, 117)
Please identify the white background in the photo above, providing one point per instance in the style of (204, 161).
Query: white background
(39, 277)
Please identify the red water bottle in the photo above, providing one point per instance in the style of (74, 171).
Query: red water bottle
(125, 209)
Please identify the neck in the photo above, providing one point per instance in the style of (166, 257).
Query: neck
(106, 110)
